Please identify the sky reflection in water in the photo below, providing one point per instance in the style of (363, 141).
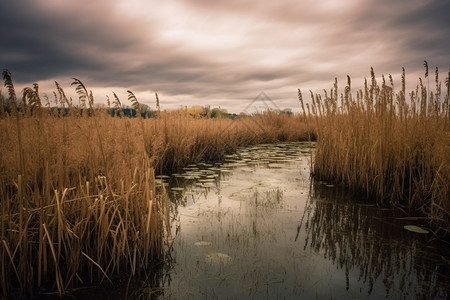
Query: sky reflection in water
(264, 230)
(257, 227)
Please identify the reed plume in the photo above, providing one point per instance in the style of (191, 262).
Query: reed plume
(391, 151)
(78, 198)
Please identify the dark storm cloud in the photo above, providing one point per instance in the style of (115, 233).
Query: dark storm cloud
(431, 34)
(40, 41)
(212, 50)
(414, 30)
(28, 47)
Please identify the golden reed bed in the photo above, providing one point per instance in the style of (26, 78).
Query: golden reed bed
(389, 146)
(78, 197)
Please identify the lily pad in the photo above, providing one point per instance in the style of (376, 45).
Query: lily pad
(218, 258)
(202, 243)
(415, 229)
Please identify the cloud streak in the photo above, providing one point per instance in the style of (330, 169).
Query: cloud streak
(199, 52)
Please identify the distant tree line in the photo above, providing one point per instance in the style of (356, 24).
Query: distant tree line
(31, 102)
(130, 112)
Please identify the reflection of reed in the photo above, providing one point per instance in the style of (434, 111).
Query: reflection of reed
(357, 237)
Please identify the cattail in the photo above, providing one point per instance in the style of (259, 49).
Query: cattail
(12, 102)
(391, 81)
(82, 92)
(32, 96)
(157, 102)
(425, 64)
(393, 156)
(347, 96)
(117, 106)
(300, 98)
(134, 102)
(438, 85)
(403, 81)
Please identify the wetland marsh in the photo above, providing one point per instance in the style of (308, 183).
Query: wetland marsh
(251, 212)
(259, 227)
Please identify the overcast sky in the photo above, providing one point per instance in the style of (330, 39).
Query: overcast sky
(219, 53)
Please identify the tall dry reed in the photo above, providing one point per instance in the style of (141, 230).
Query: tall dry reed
(174, 139)
(392, 149)
(78, 197)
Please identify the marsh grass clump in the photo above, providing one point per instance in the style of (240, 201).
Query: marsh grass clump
(392, 149)
(79, 199)
(174, 139)
(78, 202)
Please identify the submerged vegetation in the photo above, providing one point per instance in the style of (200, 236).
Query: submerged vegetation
(393, 149)
(79, 202)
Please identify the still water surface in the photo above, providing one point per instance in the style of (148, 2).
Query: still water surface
(257, 227)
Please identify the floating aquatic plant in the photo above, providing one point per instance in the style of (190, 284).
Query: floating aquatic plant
(415, 229)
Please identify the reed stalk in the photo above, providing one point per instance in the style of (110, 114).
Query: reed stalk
(394, 151)
(78, 201)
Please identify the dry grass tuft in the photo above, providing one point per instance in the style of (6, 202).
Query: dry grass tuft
(77, 188)
(394, 150)
(78, 199)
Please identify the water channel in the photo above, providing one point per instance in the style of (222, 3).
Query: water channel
(258, 227)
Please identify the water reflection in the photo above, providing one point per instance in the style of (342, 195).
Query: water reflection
(262, 229)
(256, 227)
(361, 238)
(235, 240)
